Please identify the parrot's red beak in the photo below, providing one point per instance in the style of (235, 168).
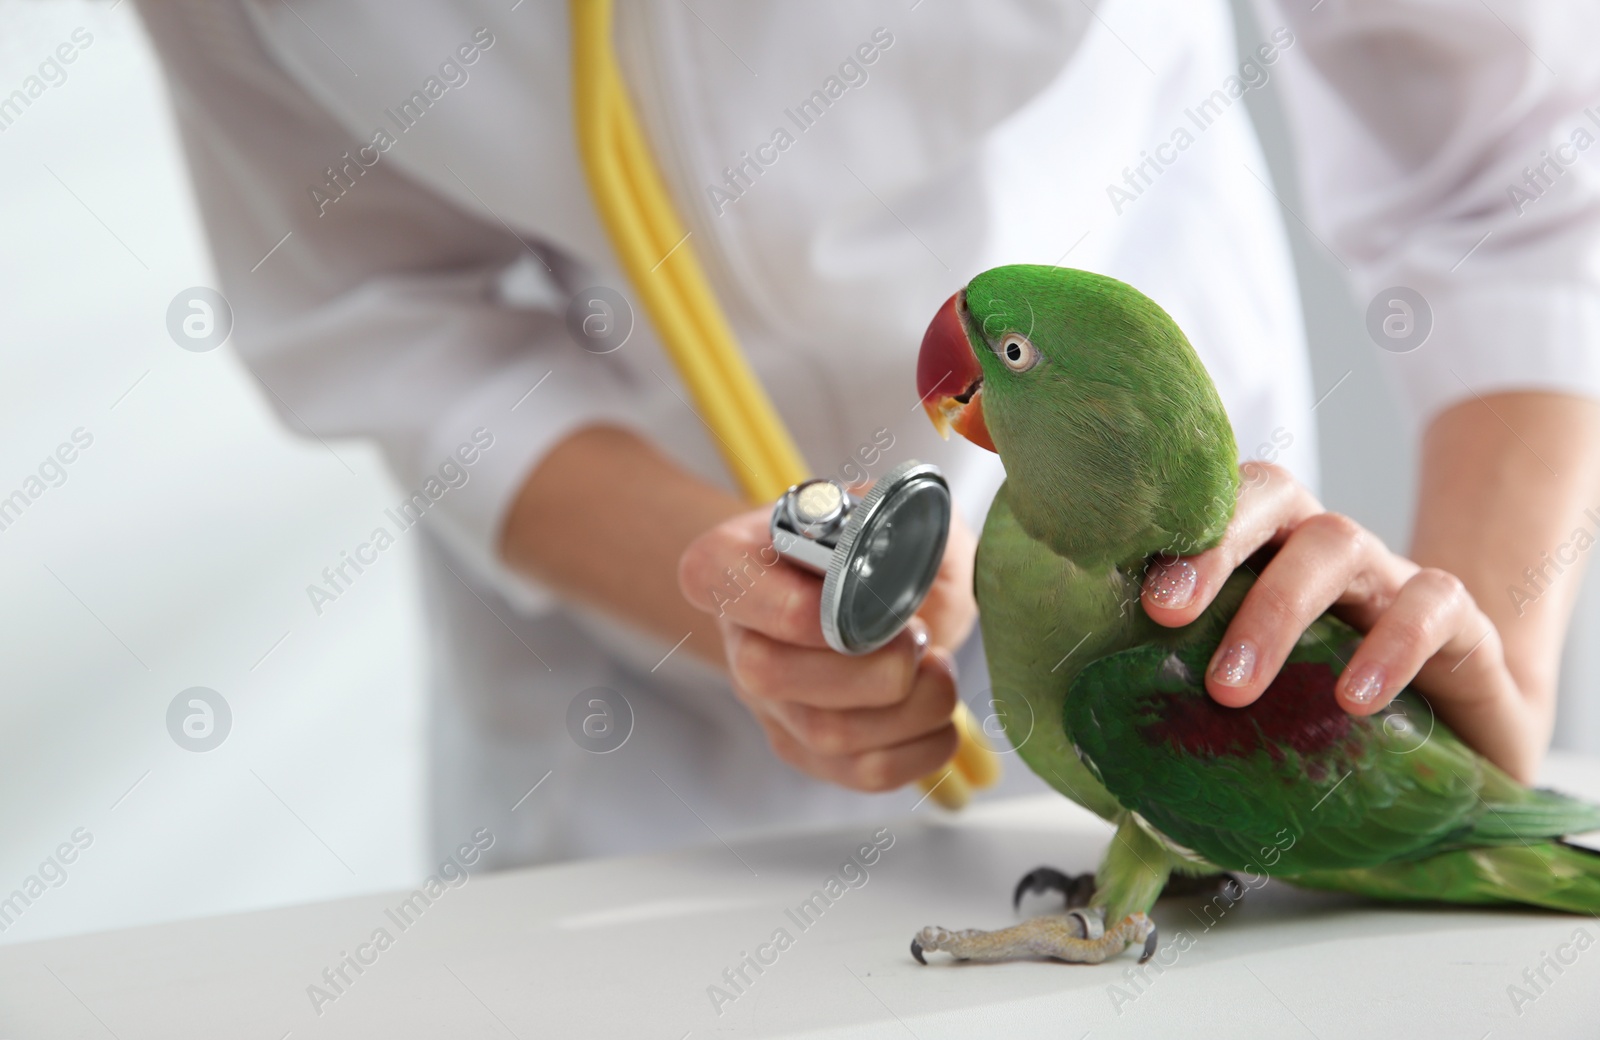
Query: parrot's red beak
(949, 377)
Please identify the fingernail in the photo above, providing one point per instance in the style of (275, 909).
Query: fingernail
(1363, 685)
(1171, 585)
(919, 638)
(1236, 666)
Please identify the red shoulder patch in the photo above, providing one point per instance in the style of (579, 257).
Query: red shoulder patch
(1297, 710)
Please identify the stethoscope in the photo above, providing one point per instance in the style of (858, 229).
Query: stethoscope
(878, 554)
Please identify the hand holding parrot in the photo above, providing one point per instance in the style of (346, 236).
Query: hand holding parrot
(1422, 625)
(1121, 461)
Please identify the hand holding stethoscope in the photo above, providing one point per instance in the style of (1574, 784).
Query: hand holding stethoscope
(869, 721)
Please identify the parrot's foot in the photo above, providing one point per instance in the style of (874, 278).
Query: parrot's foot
(1076, 888)
(1076, 936)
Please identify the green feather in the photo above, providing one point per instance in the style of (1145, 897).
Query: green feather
(1117, 448)
(1116, 443)
(1543, 874)
(1295, 784)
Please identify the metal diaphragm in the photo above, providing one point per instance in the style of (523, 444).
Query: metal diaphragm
(877, 554)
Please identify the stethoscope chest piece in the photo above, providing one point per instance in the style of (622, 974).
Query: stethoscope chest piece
(878, 554)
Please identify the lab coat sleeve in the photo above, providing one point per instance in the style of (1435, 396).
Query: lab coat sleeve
(381, 314)
(1450, 146)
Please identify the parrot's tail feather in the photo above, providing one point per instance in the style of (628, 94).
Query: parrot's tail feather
(1552, 875)
(1532, 816)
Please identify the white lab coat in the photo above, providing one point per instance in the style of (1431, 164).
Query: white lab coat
(413, 291)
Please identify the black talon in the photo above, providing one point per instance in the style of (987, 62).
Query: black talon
(1077, 889)
(1149, 945)
(916, 951)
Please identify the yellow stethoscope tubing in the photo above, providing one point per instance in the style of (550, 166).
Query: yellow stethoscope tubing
(661, 263)
(663, 266)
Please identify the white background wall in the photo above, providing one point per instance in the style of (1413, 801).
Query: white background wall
(177, 552)
(180, 545)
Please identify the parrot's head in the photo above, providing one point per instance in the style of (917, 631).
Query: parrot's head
(1115, 443)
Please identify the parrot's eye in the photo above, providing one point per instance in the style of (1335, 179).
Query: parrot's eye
(1017, 352)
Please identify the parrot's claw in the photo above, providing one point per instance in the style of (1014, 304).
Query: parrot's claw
(1076, 888)
(1076, 937)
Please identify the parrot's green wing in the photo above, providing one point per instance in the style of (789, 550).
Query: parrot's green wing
(1293, 783)
(1118, 450)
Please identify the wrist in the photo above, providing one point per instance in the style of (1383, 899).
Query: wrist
(604, 518)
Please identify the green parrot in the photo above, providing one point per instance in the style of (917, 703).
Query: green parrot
(1117, 449)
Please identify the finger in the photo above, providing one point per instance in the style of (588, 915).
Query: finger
(1328, 559)
(950, 608)
(926, 709)
(1271, 504)
(882, 769)
(733, 572)
(766, 669)
(1433, 616)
